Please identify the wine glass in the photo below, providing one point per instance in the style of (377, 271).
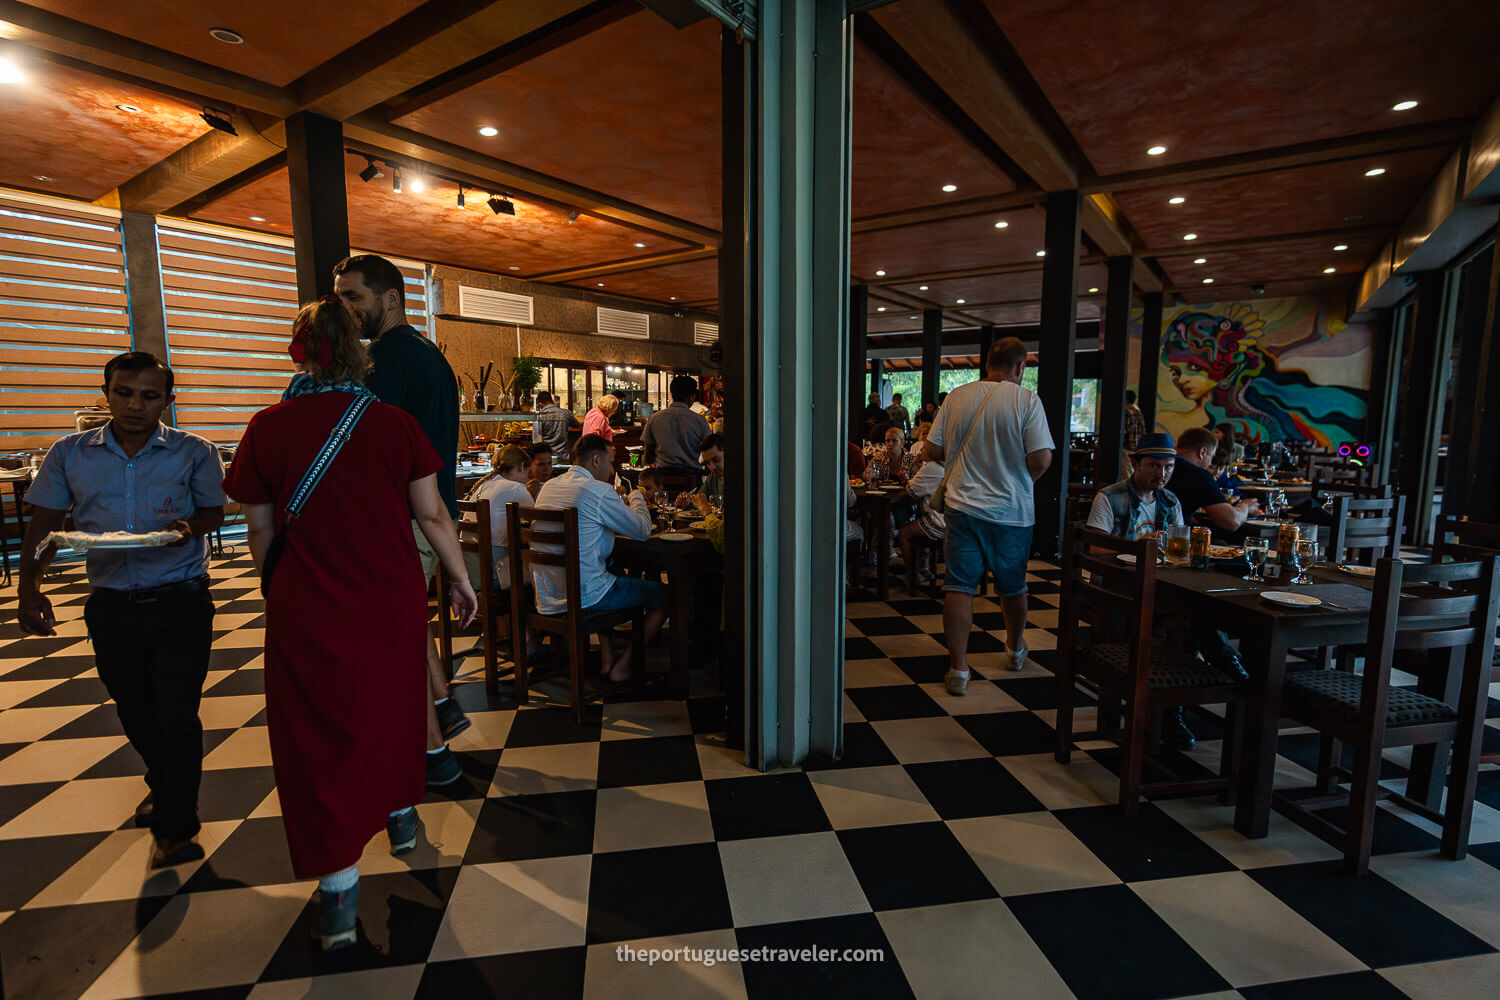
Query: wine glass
(716, 501)
(1308, 556)
(1255, 555)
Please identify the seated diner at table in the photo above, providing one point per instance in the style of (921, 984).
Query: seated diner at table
(506, 484)
(540, 469)
(928, 523)
(1194, 486)
(893, 463)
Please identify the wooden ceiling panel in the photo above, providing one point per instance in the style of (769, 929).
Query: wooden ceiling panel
(1024, 286)
(1216, 79)
(1329, 196)
(904, 151)
(283, 38)
(953, 243)
(63, 123)
(631, 110)
(695, 281)
(1299, 260)
(430, 227)
(1031, 314)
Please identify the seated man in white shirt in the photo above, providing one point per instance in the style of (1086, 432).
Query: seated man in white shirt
(602, 514)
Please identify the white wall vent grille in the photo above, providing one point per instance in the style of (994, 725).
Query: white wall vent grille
(705, 334)
(619, 323)
(497, 307)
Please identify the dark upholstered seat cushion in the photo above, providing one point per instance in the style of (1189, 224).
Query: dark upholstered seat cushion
(1170, 668)
(1333, 695)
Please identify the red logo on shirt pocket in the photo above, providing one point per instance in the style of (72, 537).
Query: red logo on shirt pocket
(168, 509)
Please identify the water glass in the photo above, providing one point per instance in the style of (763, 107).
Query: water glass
(1255, 555)
(716, 501)
(1308, 556)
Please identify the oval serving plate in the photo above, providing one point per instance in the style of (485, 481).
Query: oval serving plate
(675, 536)
(1126, 558)
(1359, 570)
(1291, 600)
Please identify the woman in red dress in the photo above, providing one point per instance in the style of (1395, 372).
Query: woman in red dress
(346, 609)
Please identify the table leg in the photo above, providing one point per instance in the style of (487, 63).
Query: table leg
(1252, 814)
(1440, 677)
(883, 555)
(680, 589)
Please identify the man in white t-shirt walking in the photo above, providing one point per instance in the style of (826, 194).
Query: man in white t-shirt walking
(993, 437)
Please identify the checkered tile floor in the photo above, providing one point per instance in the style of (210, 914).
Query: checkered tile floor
(947, 838)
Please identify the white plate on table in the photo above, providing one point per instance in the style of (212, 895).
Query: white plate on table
(1126, 558)
(1291, 600)
(675, 536)
(1359, 570)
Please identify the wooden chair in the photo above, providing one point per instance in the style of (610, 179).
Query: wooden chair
(1126, 663)
(1454, 611)
(474, 537)
(680, 480)
(576, 623)
(1366, 530)
(1459, 539)
(925, 551)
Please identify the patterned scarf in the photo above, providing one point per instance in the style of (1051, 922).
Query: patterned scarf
(303, 384)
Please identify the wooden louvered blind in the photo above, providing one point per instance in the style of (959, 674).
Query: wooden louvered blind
(231, 297)
(63, 313)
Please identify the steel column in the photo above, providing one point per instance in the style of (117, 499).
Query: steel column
(1115, 360)
(320, 209)
(1150, 364)
(1057, 341)
(932, 353)
(986, 341)
(1480, 477)
(1421, 405)
(859, 322)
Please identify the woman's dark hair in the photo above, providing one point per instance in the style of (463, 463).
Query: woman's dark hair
(510, 457)
(380, 274)
(538, 449)
(136, 361)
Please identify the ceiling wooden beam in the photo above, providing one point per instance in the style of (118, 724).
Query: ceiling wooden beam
(1275, 288)
(627, 265)
(250, 175)
(967, 272)
(214, 160)
(1196, 249)
(1395, 140)
(949, 210)
(64, 36)
(556, 32)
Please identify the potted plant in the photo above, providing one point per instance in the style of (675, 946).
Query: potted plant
(525, 373)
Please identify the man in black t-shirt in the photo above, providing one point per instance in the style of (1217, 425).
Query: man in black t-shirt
(1194, 487)
(411, 373)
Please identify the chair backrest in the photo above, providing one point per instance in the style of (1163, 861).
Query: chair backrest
(676, 480)
(1460, 538)
(1335, 469)
(1359, 491)
(1365, 530)
(557, 530)
(1450, 605)
(1097, 587)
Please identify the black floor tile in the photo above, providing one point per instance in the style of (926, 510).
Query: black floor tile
(657, 892)
(1039, 692)
(1109, 945)
(16, 799)
(52, 668)
(984, 642)
(958, 789)
(648, 761)
(1353, 985)
(232, 659)
(863, 747)
(233, 793)
(1488, 853)
(479, 768)
(32, 645)
(27, 866)
(399, 916)
(126, 761)
(1369, 917)
(1393, 834)
(767, 805)
(78, 691)
(913, 864)
(706, 715)
(1005, 734)
(255, 854)
(518, 827)
(1165, 765)
(989, 621)
(547, 726)
(6, 749)
(881, 980)
(857, 647)
(1303, 749)
(245, 680)
(556, 974)
(909, 606)
(1150, 845)
(101, 721)
(57, 952)
(923, 669)
(885, 626)
(896, 701)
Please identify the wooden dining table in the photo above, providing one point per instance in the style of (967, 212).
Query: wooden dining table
(878, 504)
(683, 563)
(1267, 632)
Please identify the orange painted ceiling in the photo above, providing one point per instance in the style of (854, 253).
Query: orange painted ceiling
(63, 124)
(952, 243)
(429, 226)
(283, 38)
(695, 282)
(1211, 79)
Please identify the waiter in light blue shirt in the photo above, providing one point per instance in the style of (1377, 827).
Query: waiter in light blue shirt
(150, 615)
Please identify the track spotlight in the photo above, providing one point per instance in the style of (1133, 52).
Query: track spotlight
(572, 216)
(219, 120)
(501, 206)
(418, 185)
(371, 171)
(460, 196)
(396, 179)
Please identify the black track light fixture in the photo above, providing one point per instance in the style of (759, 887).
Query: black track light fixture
(371, 171)
(396, 179)
(460, 196)
(501, 205)
(218, 120)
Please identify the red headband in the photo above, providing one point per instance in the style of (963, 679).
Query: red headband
(298, 347)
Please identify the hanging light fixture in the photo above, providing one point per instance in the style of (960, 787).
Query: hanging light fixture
(501, 205)
(371, 171)
(460, 196)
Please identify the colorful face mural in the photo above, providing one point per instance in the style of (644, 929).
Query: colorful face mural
(1275, 370)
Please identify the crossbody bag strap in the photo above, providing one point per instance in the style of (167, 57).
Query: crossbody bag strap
(336, 440)
(963, 445)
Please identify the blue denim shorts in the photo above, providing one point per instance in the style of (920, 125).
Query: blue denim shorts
(628, 592)
(973, 545)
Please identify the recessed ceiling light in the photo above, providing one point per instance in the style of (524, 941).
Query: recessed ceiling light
(1208, 281)
(130, 109)
(880, 274)
(1375, 171)
(914, 317)
(1041, 253)
(42, 177)
(672, 297)
(1093, 290)
(1200, 260)
(1329, 270)
(1403, 105)
(488, 131)
(227, 36)
(1341, 247)
(601, 284)
(1156, 150)
(640, 244)
(960, 301)
(921, 288)
(949, 188)
(1190, 236)
(514, 268)
(1002, 224)
(880, 309)
(1177, 200)
(10, 72)
(257, 218)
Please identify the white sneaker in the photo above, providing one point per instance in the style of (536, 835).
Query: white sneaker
(958, 684)
(1018, 658)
